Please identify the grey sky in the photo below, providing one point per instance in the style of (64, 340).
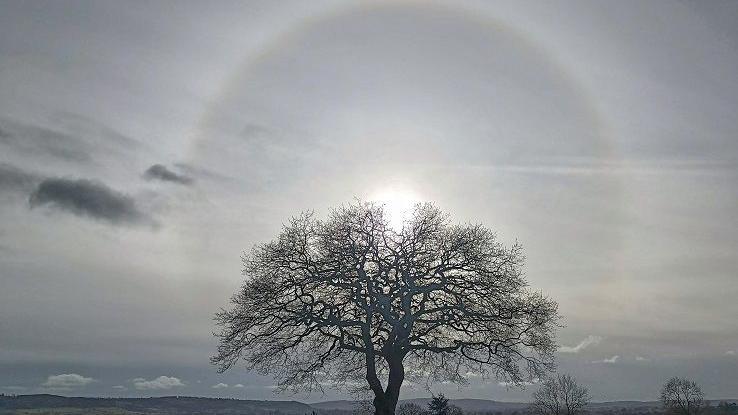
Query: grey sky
(144, 146)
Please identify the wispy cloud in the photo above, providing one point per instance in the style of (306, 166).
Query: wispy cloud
(609, 360)
(36, 141)
(161, 172)
(15, 179)
(590, 340)
(220, 386)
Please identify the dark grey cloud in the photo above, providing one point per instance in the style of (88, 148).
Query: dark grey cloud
(87, 198)
(161, 172)
(14, 179)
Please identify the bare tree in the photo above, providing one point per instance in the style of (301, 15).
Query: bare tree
(682, 396)
(349, 301)
(560, 395)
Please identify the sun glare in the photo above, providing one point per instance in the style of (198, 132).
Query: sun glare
(398, 203)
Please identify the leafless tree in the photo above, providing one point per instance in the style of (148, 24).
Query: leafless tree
(682, 396)
(350, 301)
(560, 395)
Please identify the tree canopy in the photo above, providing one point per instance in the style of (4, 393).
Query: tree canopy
(560, 395)
(350, 301)
(682, 396)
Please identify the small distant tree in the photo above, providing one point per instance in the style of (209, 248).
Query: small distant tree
(560, 395)
(682, 396)
(438, 405)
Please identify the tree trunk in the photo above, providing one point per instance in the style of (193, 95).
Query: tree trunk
(382, 406)
(386, 402)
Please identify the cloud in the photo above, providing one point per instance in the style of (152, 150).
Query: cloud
(87, 198)
(66, 381)
(160, 383)
(589, 341)
(609, 360)
(201, 172)
(511, 384)
(220, 386)
(38, 141)
(730, 353)
(642, 359)
(67, 137)
(120, 388)
(15, 179)
(238, 385)
(161, 172)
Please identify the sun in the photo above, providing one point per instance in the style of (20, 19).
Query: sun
(398, 204)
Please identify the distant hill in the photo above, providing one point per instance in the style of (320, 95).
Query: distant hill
(164, 405)
(182, 405)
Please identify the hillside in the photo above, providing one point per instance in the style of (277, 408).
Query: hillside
(162, 405)
(181, 405)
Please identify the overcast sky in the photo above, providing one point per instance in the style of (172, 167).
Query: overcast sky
(145, 145)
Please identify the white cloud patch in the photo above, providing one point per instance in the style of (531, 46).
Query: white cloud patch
(238, 385)
(66, 381)
(642, 359)
(591, 340)
(120, 387)
(609, 360)
(730, 353)
(160, 383)
(509, 384)
(220, 386)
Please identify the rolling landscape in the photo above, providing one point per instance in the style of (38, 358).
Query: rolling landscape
(170, 405)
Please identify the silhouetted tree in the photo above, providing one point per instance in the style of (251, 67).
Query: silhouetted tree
(350, 300)
(438, 405)
(560, 395)
(682, 396)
